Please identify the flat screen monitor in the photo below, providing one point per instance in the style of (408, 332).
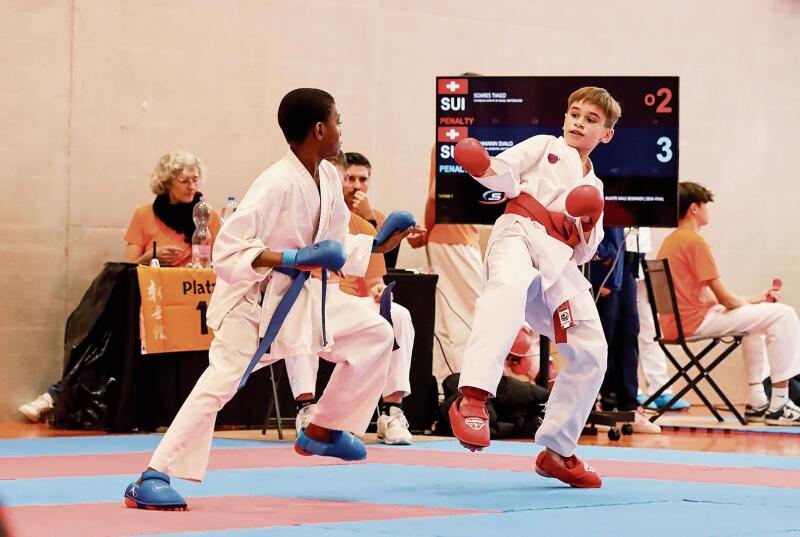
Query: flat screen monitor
(639, 167)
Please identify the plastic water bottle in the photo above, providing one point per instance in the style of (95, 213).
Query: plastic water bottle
(201, 239)
(229, 208)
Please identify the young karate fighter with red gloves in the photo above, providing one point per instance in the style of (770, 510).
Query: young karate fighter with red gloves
(552, 224)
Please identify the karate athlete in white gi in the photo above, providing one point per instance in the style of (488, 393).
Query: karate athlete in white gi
(392, 426)
(294, 204)
(553, 223)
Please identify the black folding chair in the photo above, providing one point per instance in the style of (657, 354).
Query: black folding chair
(661, 292)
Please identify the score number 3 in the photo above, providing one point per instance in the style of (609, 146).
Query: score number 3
(666, 149)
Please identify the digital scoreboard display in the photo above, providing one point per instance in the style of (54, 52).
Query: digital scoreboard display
(639, 167)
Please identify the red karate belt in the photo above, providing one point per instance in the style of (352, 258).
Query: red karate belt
(557, 225)
(561, 228)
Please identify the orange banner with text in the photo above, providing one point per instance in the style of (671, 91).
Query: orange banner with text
(174, 304)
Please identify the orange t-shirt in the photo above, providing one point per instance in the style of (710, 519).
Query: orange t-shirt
(146, 227)
(692, 267)
(445, 233)
(376, 268)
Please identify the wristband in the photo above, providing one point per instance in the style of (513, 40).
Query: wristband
(289, 258)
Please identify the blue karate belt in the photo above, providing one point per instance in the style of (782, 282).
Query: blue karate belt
(386, 309)
(299, 278)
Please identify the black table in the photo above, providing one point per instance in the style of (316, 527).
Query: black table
(116, 388)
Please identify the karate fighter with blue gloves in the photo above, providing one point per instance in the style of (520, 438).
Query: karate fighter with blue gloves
(265, 307)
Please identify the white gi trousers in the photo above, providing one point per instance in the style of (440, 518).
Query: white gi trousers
(362, 346)
(652, 360)
(773, 332)
(302, 370)
(512, 294)
(459, 268)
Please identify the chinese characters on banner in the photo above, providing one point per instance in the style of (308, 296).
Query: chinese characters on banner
(174, 305)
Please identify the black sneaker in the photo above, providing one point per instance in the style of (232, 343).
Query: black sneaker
(788, 415)
(755, 414)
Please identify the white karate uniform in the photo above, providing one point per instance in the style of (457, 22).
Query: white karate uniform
(302, 370)
(527, 275)
(459, 267)
(282, 209)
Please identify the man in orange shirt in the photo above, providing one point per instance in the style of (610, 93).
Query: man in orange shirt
(454, 254)
(707, 306)
(355, 170)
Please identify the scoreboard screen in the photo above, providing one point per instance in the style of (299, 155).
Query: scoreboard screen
(639, 167)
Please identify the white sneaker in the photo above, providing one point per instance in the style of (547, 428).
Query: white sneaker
(642, 425)
(788, 415)
(37, 408)
(393, 429)
(304, 416)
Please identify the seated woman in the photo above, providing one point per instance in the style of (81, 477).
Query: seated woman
(167, 222)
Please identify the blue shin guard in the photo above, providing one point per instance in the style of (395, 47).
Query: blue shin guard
(153, 492)
(344, 446)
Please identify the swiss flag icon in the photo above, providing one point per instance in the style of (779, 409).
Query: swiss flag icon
(452, 86)
(451, 134)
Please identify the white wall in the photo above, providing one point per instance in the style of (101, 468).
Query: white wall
(94, 91)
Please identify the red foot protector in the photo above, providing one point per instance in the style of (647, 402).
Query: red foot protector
(574, 473)
(470, 423)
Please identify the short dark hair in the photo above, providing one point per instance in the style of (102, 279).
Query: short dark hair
(301, 109)
(689, 193)
(357, 159)
(339, 160)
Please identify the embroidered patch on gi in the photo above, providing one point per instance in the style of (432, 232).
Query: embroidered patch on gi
(552, 158)
(565, 318)
(475, 424)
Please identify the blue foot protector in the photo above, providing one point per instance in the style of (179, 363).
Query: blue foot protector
(662, 400)
(154, 492)
(344, 446)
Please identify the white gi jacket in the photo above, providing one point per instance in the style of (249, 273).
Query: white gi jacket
(283, 209)
(547, 168)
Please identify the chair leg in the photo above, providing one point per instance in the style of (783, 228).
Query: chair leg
(716, 387)
(273, 404)
(277, 403)
(690, 384)
(693, 385)
(684, 372)
(270, 407)
(705, 373)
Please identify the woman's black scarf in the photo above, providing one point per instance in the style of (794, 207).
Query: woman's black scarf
(177, 216)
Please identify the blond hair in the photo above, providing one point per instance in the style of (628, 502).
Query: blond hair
(601, 99)
(170, 166)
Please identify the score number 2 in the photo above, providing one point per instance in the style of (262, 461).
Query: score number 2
(663, 107)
